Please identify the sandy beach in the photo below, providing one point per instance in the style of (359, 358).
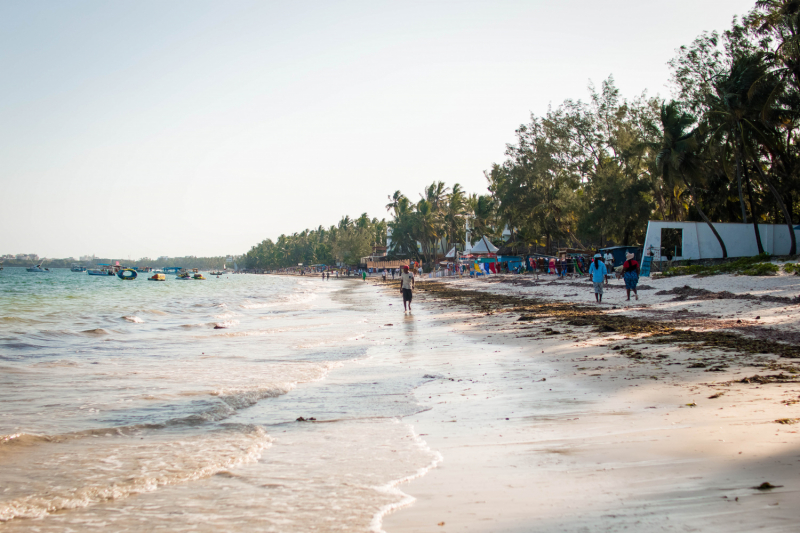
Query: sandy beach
(672, 413)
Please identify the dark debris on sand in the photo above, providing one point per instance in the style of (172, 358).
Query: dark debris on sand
(689, 293)
(583, 315)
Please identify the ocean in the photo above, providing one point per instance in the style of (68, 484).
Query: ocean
(144, 406)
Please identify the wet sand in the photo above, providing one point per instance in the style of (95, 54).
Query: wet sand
(658, 415)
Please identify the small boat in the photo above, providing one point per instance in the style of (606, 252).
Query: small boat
(37, 268)
(127, 274)
(184, 275)
(77, 268)
(218, 273)
(198, 276)
(157, 277)
(100, 272)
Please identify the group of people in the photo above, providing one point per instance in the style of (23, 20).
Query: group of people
(599, 272)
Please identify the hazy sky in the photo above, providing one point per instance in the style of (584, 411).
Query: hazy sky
(155, 128)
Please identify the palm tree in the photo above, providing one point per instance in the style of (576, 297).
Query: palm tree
(677, 155)
(454, 217)
(393, 200)
(745, 103)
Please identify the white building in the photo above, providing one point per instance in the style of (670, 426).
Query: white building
(697, 241)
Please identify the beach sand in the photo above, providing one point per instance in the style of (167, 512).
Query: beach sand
(650, 415)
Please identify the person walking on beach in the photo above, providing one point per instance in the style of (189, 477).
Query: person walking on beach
(323, 276)
(598, 273)
(364, 275)
(406, 286)
(630, 273)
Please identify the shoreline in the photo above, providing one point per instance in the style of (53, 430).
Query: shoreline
(627, 415)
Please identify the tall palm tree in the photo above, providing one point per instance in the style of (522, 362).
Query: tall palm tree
(454, 217)
(746, 103)
(678, 155)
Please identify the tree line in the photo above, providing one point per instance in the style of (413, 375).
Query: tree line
(723, 149)
(347, 242)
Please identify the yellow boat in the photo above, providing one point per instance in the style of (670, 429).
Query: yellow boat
(157, 277)
(198, 276)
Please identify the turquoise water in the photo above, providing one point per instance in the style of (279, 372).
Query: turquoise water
(175, 403)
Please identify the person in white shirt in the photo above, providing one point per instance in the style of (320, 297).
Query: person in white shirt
(609, 261)
(406, 286)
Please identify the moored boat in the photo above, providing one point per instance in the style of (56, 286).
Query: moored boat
(77, 268)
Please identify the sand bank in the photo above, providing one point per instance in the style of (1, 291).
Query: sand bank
(656, 415)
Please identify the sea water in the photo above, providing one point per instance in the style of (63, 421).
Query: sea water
(144, 406)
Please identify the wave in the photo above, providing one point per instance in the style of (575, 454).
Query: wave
(225, 324)
(96, 331)
(66, 474)
(56, 363)
(153, 312)
(376, 524)
(17, 320)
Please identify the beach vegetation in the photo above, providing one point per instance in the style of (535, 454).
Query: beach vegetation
(592, 172)
(747, 266)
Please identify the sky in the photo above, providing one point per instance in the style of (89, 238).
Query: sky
(150, 128)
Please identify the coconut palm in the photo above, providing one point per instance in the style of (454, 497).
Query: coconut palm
(678, 156)
(745, 110)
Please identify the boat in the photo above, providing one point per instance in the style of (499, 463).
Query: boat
(37, 268)
(77, 268)
(157, 277)
(100, 272)
(217, 273)
(184, 275)
(198, 276)
(127, 274)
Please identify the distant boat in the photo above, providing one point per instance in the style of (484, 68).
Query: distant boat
(157, 277)
(195, 274)
(37, 268)
(77, 268)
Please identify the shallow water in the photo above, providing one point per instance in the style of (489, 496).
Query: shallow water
(136, 406)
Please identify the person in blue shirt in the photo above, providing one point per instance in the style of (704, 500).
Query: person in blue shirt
(599, 273)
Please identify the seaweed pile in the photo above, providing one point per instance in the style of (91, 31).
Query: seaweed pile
(600, 320)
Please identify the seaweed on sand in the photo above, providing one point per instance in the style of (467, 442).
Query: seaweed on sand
(584, 315)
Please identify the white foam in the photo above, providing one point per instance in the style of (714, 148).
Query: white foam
(376, 525)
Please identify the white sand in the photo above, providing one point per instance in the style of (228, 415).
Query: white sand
(607, 442)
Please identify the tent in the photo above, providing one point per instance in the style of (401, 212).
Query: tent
(484, 246)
